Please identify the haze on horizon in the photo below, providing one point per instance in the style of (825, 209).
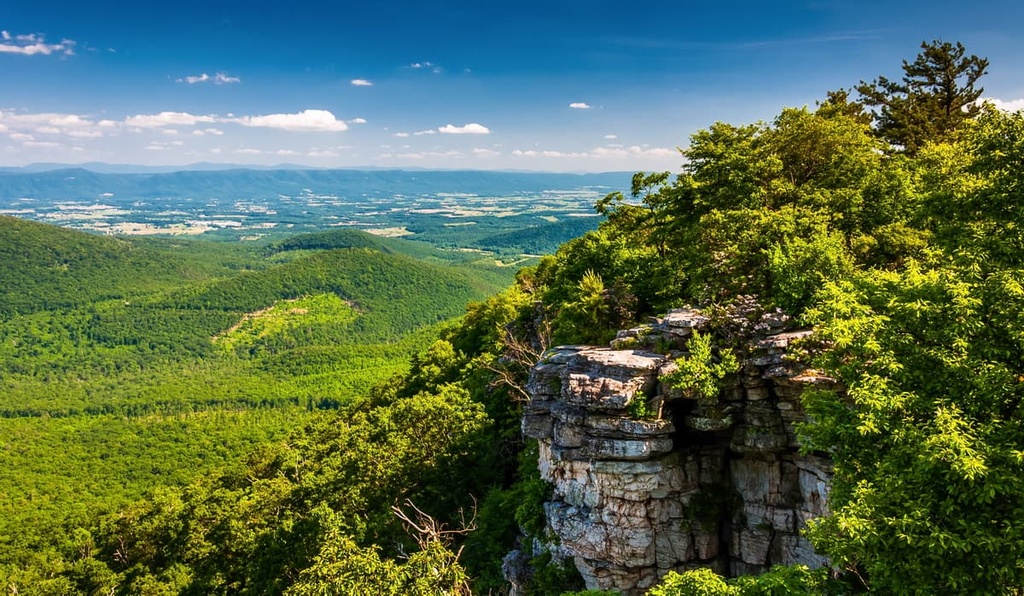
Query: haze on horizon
(552, 86)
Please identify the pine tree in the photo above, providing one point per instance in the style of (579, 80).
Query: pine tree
(936, 95)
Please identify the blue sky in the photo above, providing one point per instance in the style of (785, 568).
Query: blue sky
(561, 86)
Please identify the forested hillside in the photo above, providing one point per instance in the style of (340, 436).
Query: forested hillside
(900, 244)
(127, 365)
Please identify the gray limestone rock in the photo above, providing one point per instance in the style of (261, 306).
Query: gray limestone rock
(712, 483)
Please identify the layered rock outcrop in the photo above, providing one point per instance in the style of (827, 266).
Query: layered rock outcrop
(647, 479)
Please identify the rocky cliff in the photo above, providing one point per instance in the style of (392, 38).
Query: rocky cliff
(648, 479)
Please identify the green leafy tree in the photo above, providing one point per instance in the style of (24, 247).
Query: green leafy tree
(936, 95)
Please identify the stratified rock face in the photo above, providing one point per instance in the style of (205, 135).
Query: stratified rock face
(715, 483)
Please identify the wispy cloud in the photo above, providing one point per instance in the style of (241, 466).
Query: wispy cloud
(167, 119)
(50, 123)
(217, 79)
(546, 153)
(611, 137)
(401, 135)
(304, 121)
(483, 152)
(84, 134)
(201, 132)
(30, 45)
(356, 121)
(635, 151)
(361, 83)
(469, 129)
(420, 133)
(579, 105)
(426, 65)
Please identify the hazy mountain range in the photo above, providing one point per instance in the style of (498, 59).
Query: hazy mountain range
(81, 183)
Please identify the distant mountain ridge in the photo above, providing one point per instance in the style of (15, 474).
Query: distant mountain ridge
(80, 183)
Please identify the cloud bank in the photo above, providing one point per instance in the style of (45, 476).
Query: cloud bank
(33, 44)
(304, 121)
(470, 129)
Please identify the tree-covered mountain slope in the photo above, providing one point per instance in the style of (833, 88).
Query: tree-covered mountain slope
(48, 267)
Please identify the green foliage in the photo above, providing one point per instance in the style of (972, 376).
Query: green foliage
(925, 438)
(552, 577)
(699, 582)
(698, 374)
(540, 239)
(796, 580)
(640, 409)
(47, 268)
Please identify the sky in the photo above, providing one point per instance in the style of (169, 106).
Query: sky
(457, 84)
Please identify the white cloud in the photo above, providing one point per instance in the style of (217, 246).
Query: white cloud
(85, 134)
(68, 120)
(634, 151)
(426, 65)
(42, 144)
(216, 151)
(305, 121)
(218, 79)
(356, 121)
(21, 137)
(43, 119)
(324, 153)
(1012, 105)
(470, 129)
(401, 135)
(106, 123)
(248, 151)
(611, 137)
(2, 128)
(420, 133)
(361, 83)
(579, 105)
(169, 131)
(286, 152)
(48, 130)
(546, 153)
(30, 45)
(201, 132)
(481, 152)
(166, 119)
